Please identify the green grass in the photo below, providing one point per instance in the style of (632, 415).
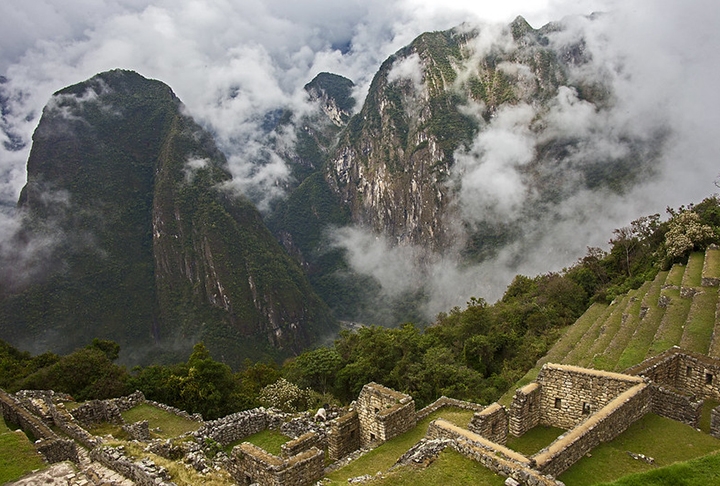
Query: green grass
(534, 440)
(712, 264)
(702, 471)
(17, 455)
(637, 348)
(700, 321)
(449, 468)
(671, 327)
(581, 347)
(269, 440)
(693, 271)
(384, 456)
(593, 355)
(170, 424)
(663, 439)
(675, 276)
(624, 334)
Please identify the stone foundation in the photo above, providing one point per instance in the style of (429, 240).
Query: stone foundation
(144, 473)
(251, 464)
(604, 426)
(447, 402)
(676, 406)
(569, 395)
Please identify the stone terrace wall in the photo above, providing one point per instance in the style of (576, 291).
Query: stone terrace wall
(196, 417)
(384, 413)
(676, 406)
(251, 464)
(344, 436)
(67, 423)
(569, 394)
(604, 426)
(491, 423)
(715, 422)
(444, 401)
(98, 411)
(47, 442)
(495, 457)
(524, 413)
(144, 473)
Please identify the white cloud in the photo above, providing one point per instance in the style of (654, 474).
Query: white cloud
(232, 62)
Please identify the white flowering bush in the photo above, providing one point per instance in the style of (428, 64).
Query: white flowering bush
(285, 396)
(685, 234)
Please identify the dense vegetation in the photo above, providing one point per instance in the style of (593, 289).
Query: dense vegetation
(474, 353)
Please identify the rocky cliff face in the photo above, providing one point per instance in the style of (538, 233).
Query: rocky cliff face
(149, 248)
(395, 166)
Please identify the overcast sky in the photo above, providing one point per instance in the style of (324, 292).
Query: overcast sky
(230, 61)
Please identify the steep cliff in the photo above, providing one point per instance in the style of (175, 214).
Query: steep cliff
(149, 247)
(395, 166)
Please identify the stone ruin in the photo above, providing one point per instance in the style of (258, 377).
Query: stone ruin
(593, 406)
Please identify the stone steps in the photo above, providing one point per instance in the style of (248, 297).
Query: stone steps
(649, 321)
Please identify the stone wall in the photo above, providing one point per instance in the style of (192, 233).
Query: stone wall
(67, 423)
(98, 411)
(715, 422)
(495, 457)
(303, 443)
(677, 406)
(196, 417)
(138, 430)
(47, 443)
(251, 464)
(444, 401)
(344, 436)
(384, 413)
(688, 372)
(524, 413)
(603, 426)
(491, 423)
(570, 394)
(144, 473)
(234, 427)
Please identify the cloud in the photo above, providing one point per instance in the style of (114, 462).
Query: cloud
(232, 63)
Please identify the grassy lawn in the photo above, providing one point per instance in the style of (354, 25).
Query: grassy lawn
(270, 440)
(693, 272)
(381, 458)
(449, 468)
(702, 471)
(170, 424)
(17, 455)
(534, 439)
(664, 440)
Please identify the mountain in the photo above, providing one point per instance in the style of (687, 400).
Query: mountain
(147, 244)
(418, 163)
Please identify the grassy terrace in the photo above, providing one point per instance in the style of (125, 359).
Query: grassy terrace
(381, 458)
(636, 349)
(269, 440)
(663, 439)
(693, 271)
(170, 425)
(712, 264)
(17, 455)
(701, 321)
(629, 322)
(671, 327)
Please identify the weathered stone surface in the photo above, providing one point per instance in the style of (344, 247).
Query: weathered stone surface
(491, 423)
(250, 464)
(384, 413)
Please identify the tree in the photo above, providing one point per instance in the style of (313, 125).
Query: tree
(686, 233)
